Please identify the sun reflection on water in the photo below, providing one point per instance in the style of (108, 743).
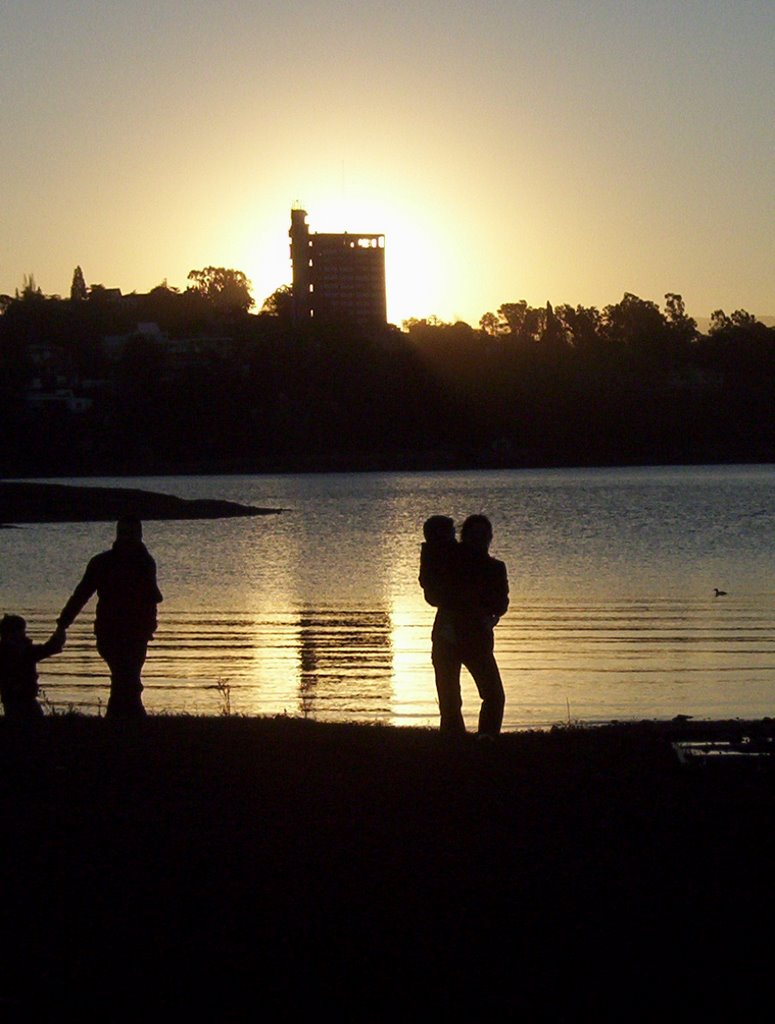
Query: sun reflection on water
(318, 611)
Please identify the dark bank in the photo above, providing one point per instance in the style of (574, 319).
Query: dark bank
(26, 502)
(193, 382)
(266, 867)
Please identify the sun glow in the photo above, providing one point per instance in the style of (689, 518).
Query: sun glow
(414, 256)
(415, 260)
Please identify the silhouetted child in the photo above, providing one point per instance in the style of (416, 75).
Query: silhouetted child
(437, 559)
(19, 657)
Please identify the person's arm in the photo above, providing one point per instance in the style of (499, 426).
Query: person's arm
(54, 645)
(498, 591)
(85, 589)
(157, 594)
(428, 577)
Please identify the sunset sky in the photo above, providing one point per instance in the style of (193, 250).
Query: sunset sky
(561, 151)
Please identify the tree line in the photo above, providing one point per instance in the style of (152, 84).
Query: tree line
(528, 386)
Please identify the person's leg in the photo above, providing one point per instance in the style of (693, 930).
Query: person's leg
(446, 667)
(124, 705)
(480, 662)
(125, 659)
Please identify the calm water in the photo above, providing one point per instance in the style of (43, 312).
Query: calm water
(317, 611)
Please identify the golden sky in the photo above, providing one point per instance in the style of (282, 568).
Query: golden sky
(566, 151)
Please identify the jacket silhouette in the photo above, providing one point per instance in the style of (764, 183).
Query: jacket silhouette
(124, 580)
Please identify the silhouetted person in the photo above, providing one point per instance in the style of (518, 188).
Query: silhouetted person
(19, 657)
(471, 592)
(439, 581)
(124, 579)
(437, 554)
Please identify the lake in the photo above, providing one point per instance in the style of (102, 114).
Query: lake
(317, 611)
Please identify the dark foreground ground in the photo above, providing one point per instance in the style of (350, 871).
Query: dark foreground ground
(254, 869)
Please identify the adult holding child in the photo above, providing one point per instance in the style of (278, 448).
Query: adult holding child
(124, 579)
(471, 591)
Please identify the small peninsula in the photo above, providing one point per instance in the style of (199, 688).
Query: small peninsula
(26, 502)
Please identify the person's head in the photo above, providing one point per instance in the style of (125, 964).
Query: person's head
(439, 529)
(476, 532)
(129, 528)
(12, 628)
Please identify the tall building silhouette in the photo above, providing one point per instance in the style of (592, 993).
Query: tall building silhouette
(337, 277)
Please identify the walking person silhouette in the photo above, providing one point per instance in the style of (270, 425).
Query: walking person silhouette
(471, 591)
(124, 579)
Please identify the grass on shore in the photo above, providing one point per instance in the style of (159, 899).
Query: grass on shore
(260, 868)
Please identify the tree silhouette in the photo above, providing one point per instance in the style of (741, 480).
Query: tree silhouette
(78, 289)
(227, 291)
(528, 386)
(30, 292)
(280, 303)
(489, 324)
(682, 327)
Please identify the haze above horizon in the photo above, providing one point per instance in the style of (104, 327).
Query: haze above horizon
(563, 152)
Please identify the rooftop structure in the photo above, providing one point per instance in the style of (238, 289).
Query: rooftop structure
(337, 277)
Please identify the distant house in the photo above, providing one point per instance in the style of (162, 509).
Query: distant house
(182, 352)
(179, 352)
(45, 355)
(40, 399)
(99, 292)
(698, 380)
(113, 345)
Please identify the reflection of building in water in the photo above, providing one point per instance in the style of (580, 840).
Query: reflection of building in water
(346, 664)
(337, 277)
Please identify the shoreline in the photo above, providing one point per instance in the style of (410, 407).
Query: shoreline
(679, 727)
(377, 465)
(411, 462)
(24, 503)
